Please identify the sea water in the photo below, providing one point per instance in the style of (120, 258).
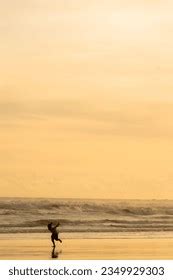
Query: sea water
(88, 218)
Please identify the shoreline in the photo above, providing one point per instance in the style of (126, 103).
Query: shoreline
(90, 235)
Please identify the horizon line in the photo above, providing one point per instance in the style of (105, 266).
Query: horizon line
(81, 198)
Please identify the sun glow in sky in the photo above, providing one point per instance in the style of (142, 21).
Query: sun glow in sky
(86, 100)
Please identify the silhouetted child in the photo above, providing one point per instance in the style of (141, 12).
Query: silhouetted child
(54, 232)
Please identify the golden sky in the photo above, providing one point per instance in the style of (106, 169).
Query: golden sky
(86, 100)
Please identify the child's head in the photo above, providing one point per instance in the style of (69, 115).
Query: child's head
(49, 226)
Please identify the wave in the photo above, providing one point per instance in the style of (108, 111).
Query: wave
(104, 222)
(145, 208)
(101, 225)
(33, 215)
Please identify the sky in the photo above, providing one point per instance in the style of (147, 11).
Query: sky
(86, 100)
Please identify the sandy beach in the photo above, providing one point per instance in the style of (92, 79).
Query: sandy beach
(84, 249)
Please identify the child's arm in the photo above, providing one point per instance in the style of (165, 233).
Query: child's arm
(57, 225)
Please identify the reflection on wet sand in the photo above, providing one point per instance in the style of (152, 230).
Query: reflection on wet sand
(55, 254)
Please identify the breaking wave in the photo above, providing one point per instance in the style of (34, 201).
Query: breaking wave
(33, 215)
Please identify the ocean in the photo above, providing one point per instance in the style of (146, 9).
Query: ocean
(88, 218)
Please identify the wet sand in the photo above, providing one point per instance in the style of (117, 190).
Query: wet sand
(86, 249)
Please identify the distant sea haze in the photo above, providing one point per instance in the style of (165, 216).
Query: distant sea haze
(85, 218)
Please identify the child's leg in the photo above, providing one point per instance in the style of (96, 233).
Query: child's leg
(53, 241)
(56, 238)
